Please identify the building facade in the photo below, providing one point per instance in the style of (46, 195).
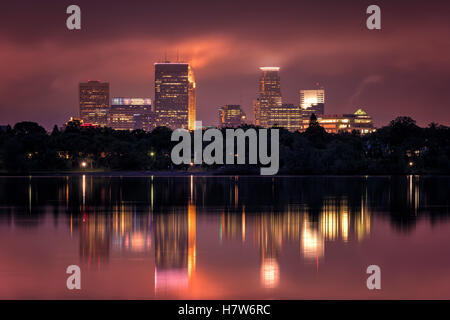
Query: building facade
(359, 121)
(148, 121)
(128, 113)
(175, 101)
(318, 109)
(269, 95)
(231, 116)
(287, 116)
(94, 102)
(313, 101)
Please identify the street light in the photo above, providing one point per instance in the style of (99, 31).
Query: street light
(83, 164)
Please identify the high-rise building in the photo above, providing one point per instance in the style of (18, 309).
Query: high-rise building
(335, 123)
(318, 109)
(231, 115)
(308, 98)
(148, 121)
(286, 116)
(94, 102)
(128, 113)
(269, 95)
(175, 95)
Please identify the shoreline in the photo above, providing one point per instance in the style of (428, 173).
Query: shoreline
(199, 174)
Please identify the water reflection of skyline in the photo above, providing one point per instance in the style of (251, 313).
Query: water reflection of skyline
(152, 221)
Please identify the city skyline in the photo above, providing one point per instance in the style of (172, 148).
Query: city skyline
(175, 106)
(399, 70)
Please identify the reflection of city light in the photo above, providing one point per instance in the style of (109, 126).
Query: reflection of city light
(138, 241)
(362, 221)
(243, 225)
(312, 243)
(84, 190)
(344, 225)
(329, 222)
(151, 194)
(192, 238)
(166, 280)
(270, 273)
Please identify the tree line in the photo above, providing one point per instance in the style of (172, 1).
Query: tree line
(402, 147)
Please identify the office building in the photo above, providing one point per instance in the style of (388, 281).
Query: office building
(312, 101)
(148, 121)
(128, 113)
(287, 116)
(175, 101)
(231, 116)
(359, 121)
(269, 95)
(317, 108)
(94, 102)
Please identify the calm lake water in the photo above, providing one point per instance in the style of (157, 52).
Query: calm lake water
(224, 237)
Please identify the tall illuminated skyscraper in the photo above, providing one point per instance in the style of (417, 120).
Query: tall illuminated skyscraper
(94, 102)
(175, 95)
(269, 95)
(309, 98)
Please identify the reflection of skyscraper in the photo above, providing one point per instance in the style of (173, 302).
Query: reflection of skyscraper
(270, 273)
(232, 226)
(312, 243)
(175, 95)
(192, 239)
(131, 232)
(171, 240)
(175, 249)
(95, 234)
(362, 219)
(94, 102)
(269, 235)
(269, 95)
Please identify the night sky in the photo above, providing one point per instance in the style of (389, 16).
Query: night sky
(403, 69)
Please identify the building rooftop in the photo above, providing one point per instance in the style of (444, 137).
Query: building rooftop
(269, 68)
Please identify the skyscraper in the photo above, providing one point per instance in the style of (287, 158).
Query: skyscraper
(317, 109)
(309, 98)
(128, 113)
(269, 95)
(94, 102)
(231, 115)
(286, 116)
(175, 95)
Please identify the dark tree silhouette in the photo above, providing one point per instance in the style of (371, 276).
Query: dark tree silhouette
(401, 147)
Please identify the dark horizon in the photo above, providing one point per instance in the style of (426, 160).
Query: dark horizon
(400, 70)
